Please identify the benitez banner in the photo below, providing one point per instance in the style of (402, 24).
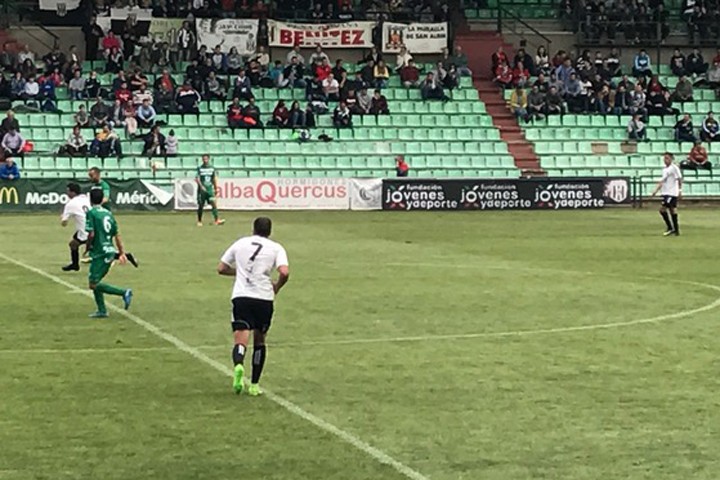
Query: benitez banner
(50, 195)
(240, 33)
(416, 37)
(510, 194)
(327, 35)
(270, 194)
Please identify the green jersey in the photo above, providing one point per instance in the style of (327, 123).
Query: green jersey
(104, 186)
(206, 175)
(101, 221)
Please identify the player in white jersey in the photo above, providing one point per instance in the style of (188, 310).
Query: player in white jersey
(252, 261)
(670, 187)
(75, 210)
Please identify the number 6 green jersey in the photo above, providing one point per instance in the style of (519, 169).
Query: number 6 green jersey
(101, 221)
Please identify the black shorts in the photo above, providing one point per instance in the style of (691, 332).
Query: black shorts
(251, 314)
(81, 242)
(669, 201)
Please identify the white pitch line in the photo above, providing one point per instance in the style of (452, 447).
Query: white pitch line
(356, 442)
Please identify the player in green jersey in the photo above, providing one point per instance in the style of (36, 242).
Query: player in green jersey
(206, 180)
(102, 228)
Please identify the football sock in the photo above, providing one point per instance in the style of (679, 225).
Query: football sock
(214, 213)
(99, 299)
(110, 289)
(258, 362)
(666, 217)
(200, 212)
(238, 354)
(676, 225)
(74, 257)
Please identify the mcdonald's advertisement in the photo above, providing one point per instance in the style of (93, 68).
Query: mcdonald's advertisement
(50, 195)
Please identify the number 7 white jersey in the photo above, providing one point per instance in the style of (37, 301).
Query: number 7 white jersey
(254, 259)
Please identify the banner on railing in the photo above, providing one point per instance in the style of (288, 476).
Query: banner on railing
(60, 6)
(270, 194)
(366, 194)
(511, 194)
(50, 195)
(327, 35)
(416, 37)
(228, 32)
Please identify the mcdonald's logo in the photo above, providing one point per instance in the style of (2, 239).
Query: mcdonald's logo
(9, 195)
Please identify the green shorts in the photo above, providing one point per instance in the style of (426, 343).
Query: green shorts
(99, 267)
(207, 196)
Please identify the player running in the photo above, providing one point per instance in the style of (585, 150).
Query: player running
(102, 228)
(251, 260)
(75, 209)
(670, 186)
(206, 180)
(99, 184)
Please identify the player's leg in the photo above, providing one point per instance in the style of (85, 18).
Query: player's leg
(216, 215)
(242, 325)
(74, 265)
(263, 313)
(103, 288)
(201, 207)
(666, 217)
(98, 270)
(674, 216)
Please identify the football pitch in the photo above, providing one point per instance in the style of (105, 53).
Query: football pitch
(443, 346)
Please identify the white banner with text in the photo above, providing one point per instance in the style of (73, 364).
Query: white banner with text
(327, 35)
(240, 33)
(416, 37)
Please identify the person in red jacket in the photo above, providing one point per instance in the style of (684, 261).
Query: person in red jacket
(503, 76)
(521, 75)
(123, 94)
(498, 58)
(281, 115)
(235, 114)
(401, 167)
(323, 70)
(110, 41)
(410, 75)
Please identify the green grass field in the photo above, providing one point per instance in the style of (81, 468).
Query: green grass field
(494, 346)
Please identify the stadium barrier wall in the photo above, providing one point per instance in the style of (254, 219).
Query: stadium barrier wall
(50, 195)
(505, 194)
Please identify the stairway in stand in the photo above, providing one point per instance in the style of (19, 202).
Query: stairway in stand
(479, 47)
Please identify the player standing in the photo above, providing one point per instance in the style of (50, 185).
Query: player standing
(251, 260)
(670, 186)
(102, 228)
(99, 184)
(206, 180)
(75, 209)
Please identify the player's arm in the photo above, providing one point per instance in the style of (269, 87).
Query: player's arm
(680, 185)
(121, 249)
(659, 185)
(215, 181)
(106, 193)
(227, 263)
(283, 277)
(65, 217)
(199, 183)
(90, 229)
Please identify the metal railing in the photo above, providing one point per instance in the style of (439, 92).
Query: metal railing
(508, 20)
(641, 187)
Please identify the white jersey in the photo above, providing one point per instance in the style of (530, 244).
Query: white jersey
(75, 209)
(671, 181)
(254, 259)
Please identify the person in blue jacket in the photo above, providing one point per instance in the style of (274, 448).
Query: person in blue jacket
(9, 170)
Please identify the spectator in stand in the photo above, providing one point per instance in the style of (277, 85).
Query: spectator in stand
(536, 103)
(402, 59)
(110, 41)
(234, 61)
(99, 114)
(145, 114)
(498, 58)
(32, 89)
(119, 79)
(26, 54)
(171, 144)
(367, 73)
(342, 118)
(138, 81)
(251, 115)
(28, 69)
(577, 101)
(117, 117)
(364, 101)
(296, 116)
(113, 60)
(281, 115)
(338, 70)
(373, 56)
(9, 123)
(431, 90)
(185, 41)
(213, 88)
(381, 75)
(695, 63)
(9, 170)
(564, 71)
(76, 145)
(684, 130)
(460, 60)
(294, 74)
(697, 159)
(410, 75)
(677, 63)
(402, 169)
(243, 89)
(106, 143)
(154, 143)
(639, 101)
(12, 144)
(621, 101)
(219, 62)
(554, 102)
(235, 114)
(641, 64)
(92, 86)
(276, 74)
(710, 129)
(81, 117)
(683, 90)
(542, 61)
(123, 94)
(318, 56)
(188, 100)
(76, 87)
(262, 58)
(654, 88)
(503, 76)
(93, 33)
(526, 59)
(331, 88)
(4, 85)
(636, 129)
(139, 96)
(379, 104)
(661, 105)
(521, 75)
(613, 63)
(295, 52)
(17, 86)
(519, 103)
